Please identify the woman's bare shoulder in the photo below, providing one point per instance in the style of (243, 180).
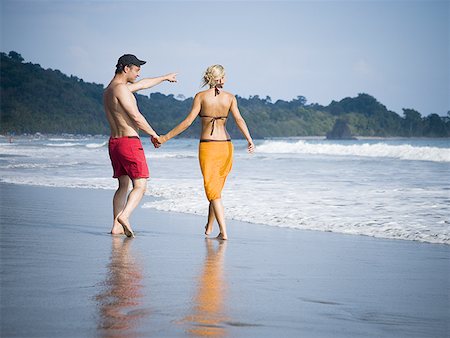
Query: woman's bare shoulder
(203, 92)
(200, 96)
(228, 95)
(209, 94)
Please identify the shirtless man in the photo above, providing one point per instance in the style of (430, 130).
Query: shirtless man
(125, 148)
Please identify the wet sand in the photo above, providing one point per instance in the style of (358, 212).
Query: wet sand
(63, 275)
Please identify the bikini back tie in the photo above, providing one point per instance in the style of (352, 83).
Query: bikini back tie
(217, 88)
(213, 120)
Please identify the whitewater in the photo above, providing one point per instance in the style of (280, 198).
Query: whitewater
(389, 188)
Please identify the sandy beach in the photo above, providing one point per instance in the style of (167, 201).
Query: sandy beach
(63, 275)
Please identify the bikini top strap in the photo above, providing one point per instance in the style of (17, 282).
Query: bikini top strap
(213, 117)
(217, 89)
(213, 120)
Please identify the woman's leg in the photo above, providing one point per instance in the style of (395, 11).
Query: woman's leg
(211, 218)
(220, 217)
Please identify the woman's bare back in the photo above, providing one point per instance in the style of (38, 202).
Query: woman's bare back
(214, 113)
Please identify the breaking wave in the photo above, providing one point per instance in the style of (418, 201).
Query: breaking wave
(402, 152)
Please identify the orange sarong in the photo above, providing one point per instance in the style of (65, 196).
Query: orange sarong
(216, 160)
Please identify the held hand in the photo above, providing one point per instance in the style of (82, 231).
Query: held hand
(250, 147)
(162, 139)
(155, 141)
(172, 77)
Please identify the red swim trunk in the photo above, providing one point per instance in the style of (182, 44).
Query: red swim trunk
(127, 157)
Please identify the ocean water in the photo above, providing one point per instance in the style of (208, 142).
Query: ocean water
(390, 188)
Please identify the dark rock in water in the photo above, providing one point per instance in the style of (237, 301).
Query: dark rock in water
(340, 131)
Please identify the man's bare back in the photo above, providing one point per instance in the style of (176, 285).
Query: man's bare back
(119, 121)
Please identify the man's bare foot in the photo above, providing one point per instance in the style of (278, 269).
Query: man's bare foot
(222, 237)
(126, 226)
(117, 229)
(208, 229)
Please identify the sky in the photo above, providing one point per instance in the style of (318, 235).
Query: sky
(396, 51)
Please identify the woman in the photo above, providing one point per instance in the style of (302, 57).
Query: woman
(215, 149)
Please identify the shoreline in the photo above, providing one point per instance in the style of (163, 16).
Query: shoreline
(305, 137)
(148, 198)
(64, 275)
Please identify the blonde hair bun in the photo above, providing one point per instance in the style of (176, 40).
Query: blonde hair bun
(212, 75)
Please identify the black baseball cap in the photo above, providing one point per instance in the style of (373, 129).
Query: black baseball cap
(129, 59)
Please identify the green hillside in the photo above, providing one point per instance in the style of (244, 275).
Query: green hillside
(34, 99)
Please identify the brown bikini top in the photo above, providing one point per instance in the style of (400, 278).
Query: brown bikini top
(213, 120)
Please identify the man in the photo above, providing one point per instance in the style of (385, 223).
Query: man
(125, 148)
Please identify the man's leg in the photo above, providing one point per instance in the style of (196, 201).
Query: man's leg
(219, 213)
(135, 196)
(119, 200)
(211, 218)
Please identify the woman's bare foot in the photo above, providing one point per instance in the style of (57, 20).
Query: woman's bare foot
(117, 229)
(126, 226)
(208, 229)
(222, 237)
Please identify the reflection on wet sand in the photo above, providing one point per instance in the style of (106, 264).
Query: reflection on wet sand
(208, 317)
(119, 301)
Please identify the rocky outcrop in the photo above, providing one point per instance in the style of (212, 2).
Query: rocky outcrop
(340, 131)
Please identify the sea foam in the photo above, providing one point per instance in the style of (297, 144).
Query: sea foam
(402, 152)
(388, 198)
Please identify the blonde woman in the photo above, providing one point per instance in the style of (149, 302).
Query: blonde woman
(215, 148)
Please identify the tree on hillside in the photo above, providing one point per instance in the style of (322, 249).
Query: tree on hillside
(435, 126)
(16, 56)
(413, 122)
